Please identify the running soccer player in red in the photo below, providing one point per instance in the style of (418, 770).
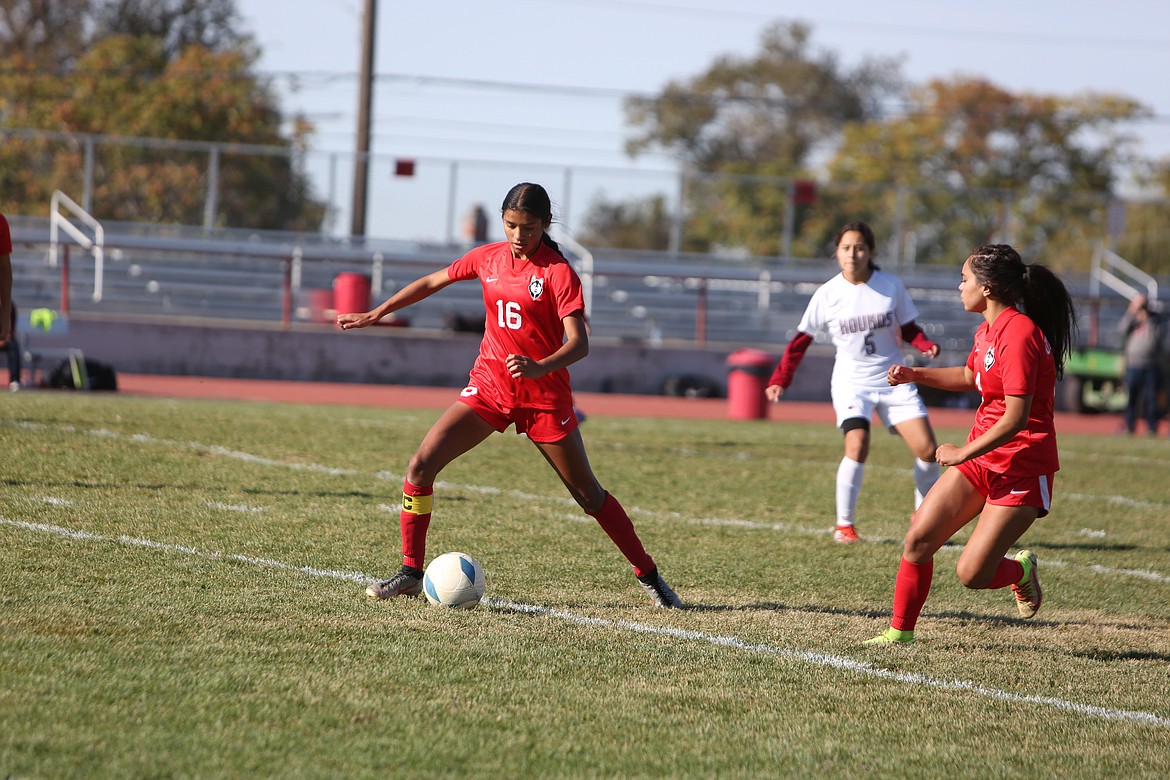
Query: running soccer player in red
(869, 315)
(535, 328)
(1004, 472)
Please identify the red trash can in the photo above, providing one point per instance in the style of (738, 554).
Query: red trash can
(351, 293)
(321, 306)
(748, 372)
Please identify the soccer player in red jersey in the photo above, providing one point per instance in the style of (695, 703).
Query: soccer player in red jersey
(535, 328)
(1004, 472)
(869, 316)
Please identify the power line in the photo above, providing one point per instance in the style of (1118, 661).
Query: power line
(501, 127)
(555, 90)
(995, 35)
(474, 85)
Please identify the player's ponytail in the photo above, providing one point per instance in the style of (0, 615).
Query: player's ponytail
(1039, 291)
(533, 199)
(1047, 302)
(553, 245)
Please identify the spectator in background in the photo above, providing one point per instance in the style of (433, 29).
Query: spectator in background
(12, 347)
(475, 226)
(1144, 332)
(6, 313)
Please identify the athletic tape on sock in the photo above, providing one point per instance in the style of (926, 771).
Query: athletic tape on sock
(417, 505)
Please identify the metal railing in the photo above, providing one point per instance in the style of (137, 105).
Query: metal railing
(1114, 272)
(58, 222)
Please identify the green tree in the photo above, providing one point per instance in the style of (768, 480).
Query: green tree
(757, 122)
(974, 163)
(55, 33)
(212, 24)
(634, 224)
(46, 33)
(155, 86)
(1146, 230)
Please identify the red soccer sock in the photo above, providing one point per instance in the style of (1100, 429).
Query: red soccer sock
(911, 587)
(414, 519)
(616, 523)
(1008, 572)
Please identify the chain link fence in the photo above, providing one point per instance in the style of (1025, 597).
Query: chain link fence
(432, 200)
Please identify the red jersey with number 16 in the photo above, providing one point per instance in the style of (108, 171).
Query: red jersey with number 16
(1012, 357)
(526, 301)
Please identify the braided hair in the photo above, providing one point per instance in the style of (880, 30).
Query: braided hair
(1040, 293)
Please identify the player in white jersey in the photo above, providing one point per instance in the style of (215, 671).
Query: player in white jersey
(868, 314)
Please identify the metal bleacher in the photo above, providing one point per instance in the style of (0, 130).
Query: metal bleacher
(635, 297)
(169, 271)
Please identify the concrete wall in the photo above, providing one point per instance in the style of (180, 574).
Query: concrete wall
(383, 355)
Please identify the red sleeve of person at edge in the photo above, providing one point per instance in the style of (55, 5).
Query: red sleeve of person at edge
(913, 335)
(791, 358)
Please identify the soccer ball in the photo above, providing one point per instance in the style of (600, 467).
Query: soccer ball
(454, 579)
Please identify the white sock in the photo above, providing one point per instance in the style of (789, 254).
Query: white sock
(849, 475)
(925, 475)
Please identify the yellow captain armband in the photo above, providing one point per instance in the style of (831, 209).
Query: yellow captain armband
(417, 505)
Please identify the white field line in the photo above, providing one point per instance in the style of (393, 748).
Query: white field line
(842, 663)
(1125, 501)
(564, 500)
(135, 541)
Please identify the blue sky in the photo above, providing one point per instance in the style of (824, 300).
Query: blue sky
(438, 60)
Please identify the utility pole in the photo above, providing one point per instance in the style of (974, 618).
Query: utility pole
(361, 174)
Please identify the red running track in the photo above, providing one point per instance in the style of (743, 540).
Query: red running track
(600, 404)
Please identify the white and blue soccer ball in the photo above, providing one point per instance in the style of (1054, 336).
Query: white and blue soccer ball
(454, 579)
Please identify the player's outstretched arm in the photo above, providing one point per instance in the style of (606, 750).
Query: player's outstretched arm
(956, 379)
(411, 293)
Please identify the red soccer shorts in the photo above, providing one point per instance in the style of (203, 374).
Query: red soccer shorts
(542, 425)
(1008, 489)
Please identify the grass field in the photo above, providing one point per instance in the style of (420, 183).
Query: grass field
(182, 597)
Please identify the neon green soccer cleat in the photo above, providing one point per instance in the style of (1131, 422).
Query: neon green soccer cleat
(1027, 590)
(892, 636)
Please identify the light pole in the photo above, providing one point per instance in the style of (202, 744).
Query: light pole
(361, 172)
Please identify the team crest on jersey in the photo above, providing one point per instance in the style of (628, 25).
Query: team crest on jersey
(536, 288)
(989, 359)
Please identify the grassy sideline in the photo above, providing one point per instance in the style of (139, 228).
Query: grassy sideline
(182, 598)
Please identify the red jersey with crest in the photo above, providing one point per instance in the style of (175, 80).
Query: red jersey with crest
(526, 301)
(1012, 357)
